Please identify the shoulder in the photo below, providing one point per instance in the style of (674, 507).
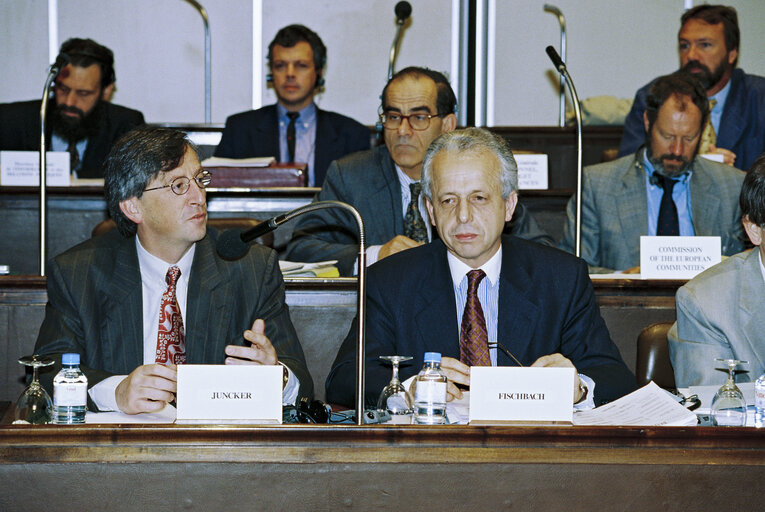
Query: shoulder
(253, 116)
(753, 83)
(609, 171)
(361, 164)
(341, 121)
(539, 259)
(718, 172)
(12, 112)
(119, 112)
(93, 252)
(714, 281)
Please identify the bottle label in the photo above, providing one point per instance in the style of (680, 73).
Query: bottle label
(69, 395)
(759, 397)
(430, 391)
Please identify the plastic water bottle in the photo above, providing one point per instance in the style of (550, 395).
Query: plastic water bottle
(430, 392)
(759, 402)
(70, 392)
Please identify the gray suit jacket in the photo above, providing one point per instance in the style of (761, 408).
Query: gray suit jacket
(615, 210)
(368, 181)
(95, 308)
(720, 313)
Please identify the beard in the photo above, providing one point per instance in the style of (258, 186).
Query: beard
(706, 76)
(678, 166)
(76, 128)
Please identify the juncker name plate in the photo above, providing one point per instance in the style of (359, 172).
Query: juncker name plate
(511, 394)
(677, 257)
(229, 394)
(22, 168)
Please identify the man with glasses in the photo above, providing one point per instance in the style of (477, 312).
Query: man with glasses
(138, 301)
(418, 105)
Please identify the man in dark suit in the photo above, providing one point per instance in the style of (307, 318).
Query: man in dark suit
(535, 302)
(105, 294)
(294, 129)
(708, 43)
(418, 105)
(82, 120)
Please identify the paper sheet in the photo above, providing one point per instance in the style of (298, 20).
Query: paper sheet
(166, 415)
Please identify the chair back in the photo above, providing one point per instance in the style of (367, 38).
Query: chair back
(653, 363)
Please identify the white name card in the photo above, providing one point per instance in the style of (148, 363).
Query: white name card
(509, 394)
(22, 168)
(229, 394)
(715, 157)
(532, 171)
(677, 257)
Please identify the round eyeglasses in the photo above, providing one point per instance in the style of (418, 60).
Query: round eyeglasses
(181, 184)
(419, 121)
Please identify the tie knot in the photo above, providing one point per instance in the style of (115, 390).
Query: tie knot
(293, 116)
(666, 183)
(712, 104)
(415, 188)
(474, 278)
(173, 273)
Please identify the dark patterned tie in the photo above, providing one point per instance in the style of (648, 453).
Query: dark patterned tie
(474, 340)
(668, 224)
(291, 135)
(414, 226)
(171, 339)
(74, 157)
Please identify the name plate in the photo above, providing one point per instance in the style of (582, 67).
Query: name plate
(509, 394)
(532, 171)
(22, 168)
(677, 257)
(229, 394)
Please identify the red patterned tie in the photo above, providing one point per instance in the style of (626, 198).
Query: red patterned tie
(474, 340)
(171, 339)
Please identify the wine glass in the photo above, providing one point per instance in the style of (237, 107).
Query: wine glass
(728, 405)
(394, 397)
(34, 405)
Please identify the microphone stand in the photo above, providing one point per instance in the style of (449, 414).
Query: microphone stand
(208, 73)
(562, 21)
(561, 67)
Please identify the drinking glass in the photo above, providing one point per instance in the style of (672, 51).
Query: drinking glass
(728, 405)
(34, 405)
(394, 397)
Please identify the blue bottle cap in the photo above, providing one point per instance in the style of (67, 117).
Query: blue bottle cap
(433, 357)
(70, 359)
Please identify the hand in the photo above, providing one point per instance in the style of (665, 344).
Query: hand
(259, 352)
(558, 361)
(632, 270)
(456, 373)
(729, 157)
(396, 244)
(147, 389)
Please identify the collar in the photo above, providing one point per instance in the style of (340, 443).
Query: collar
(307, 115)
(154, 269)
(458, 269)
(403, 177)
(762, 265)
(721, 96)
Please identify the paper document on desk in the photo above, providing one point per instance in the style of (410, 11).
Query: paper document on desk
(317, 269)
(166, 415)
(648, 406)
(216, 161)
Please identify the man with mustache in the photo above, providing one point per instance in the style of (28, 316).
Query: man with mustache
(664, 188)
(708, 44)
(81, 120)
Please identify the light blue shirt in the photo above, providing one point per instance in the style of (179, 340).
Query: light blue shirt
(681, 195)
(59, 144)
(716, 113)
(305, 137)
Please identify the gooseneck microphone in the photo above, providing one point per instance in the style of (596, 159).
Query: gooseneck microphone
(561, 67)
(403, 10)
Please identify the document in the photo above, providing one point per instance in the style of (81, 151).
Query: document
(325, 269)
(216, 161)
(166, 415)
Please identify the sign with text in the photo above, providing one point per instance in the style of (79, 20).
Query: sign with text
(532, 171)
(22, 168)
(677, 257)
(229, 394)
(511, 394)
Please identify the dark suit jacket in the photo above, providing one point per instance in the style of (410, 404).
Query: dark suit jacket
(742, 125)
(546, 305)
(256, 133)
(20, 131)
(95, 308)
(368, 182)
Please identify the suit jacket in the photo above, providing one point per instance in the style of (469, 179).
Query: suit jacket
(720, 313)
(615, 210)
(95, 308)
(546, 305)
(256, 133)
(20, 131)
(368, 182)
(742, 125)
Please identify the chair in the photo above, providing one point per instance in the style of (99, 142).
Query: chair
(219, 223)
(653, 363)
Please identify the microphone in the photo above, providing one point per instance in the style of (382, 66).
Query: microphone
(556, 60)
(403, 10)
(233, 244)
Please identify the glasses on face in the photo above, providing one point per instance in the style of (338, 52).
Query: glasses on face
(181, 184)
(419, 121)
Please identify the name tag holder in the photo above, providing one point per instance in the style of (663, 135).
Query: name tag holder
(22, 168)
(677, 257)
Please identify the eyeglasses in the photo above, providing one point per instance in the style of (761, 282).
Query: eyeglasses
(181, 184)
(419, 122)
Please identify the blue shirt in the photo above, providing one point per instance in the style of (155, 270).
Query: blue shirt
(305, 137)
(716, 113)
(59, 144)
(681, 194)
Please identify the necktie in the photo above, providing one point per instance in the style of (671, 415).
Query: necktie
(74, 157)
(414, 226)
(171, 339)
(291, 135)
(474, 340)
(668, 225)
(708, 136)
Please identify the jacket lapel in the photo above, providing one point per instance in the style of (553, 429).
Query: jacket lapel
(632, 205)
(436, 316)
(384, 191)
(733, 119)
(326, 139)
(705, 201)
(266, 134)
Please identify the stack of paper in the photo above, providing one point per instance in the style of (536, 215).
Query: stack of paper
(216, 161)
(324, 269)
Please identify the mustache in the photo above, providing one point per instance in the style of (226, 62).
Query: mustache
(696, 64)
(678, 158)
(71, 110)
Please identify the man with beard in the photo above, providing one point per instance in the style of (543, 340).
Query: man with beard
(708, 45)
(81, 121)
(664, 188)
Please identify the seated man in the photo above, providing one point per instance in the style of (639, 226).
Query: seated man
(721, 312)
(664, 188)
(535, 302)
(106, 295)
(708, 44)
(418, 105)
(295, 129)
(82, 120)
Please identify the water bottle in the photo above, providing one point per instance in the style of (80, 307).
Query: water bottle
(70, 392)
(759, 402)
(430, 392)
